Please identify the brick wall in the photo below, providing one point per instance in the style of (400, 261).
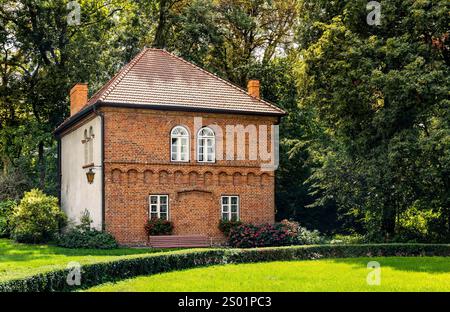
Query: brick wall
(137, 164)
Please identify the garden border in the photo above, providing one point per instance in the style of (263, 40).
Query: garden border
(102, 272)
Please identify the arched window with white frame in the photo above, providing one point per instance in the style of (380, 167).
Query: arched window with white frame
(179, 144)
(206, 145)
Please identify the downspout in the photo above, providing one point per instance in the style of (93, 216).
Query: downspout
(58, 140)
(102, 155)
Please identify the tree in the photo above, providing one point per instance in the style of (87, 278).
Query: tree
(42, 57)
(381, 94)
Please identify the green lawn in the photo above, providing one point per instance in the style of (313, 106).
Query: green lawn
(397, 274)
(20, 260)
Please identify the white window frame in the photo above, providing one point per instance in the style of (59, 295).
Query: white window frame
(202, 140)
(157, 206)
(178, 153)
(225, 208)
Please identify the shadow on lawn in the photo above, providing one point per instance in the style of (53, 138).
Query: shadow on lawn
(409, 264)
(12, 251)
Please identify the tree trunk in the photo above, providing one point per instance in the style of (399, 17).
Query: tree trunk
(160, 40)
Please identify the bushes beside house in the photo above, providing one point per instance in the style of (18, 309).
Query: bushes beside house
(279, 234)
(156, 226)
(84, 236)
(266, 235)
(78, 238)
(225, 226)
(37, 218)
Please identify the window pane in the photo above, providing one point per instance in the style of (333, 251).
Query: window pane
(234, 217)
(224, 200)
(225, 216)
(225, 208)
(234, 200)
(163, 208)
(153, 208)
(163, 199)
(163, 216)
(153, 216)
(153, 199)
(233, 208)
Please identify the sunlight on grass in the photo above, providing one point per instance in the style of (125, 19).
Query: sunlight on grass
(397, 274)
(20, 260)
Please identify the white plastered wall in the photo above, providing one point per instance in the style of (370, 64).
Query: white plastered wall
(76, 193)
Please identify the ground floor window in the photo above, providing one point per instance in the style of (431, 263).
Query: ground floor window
(230, 208)
(159, 207)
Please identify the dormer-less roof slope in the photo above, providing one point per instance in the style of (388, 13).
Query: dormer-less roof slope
(158, 79)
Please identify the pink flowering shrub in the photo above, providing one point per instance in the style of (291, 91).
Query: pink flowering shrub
(249, 235)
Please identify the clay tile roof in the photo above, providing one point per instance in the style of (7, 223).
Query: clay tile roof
(158, 78)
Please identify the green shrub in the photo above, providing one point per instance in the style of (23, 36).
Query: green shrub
(307, 237)
(348, 239)
(37, 218)
(420, 225)
(301, 235)
(98, 273)
(158, 226)
(93, 239)
(225, 226)
(83, 236)
(6, 210)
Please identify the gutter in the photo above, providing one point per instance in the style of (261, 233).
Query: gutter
(58, 141)
(93, 107)
(102, 156)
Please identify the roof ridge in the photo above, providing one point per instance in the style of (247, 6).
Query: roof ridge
(121, 74)
(220, 79)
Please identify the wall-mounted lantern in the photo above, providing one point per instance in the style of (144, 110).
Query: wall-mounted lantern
(90, 176)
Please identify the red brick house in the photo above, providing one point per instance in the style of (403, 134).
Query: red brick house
(165, 138)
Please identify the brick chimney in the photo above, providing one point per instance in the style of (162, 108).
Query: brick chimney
(78, 97)
(253, 88)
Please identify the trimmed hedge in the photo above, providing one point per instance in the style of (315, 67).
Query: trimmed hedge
(98, 273)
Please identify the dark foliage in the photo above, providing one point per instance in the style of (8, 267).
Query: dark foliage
(225, 226)
(157, 226)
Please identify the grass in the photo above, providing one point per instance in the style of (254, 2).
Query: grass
(21, 260)
(397, 274)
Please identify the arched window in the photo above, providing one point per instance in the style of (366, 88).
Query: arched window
(91, 145)
(85, 145)
(206, 145)
(179, 146)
